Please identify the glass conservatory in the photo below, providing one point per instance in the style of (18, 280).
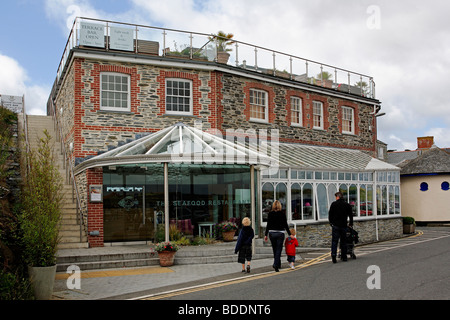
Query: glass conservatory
(201, 179)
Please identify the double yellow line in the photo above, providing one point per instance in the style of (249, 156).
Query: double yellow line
(231, 281)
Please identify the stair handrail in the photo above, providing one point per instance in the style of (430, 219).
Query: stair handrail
(69, 169)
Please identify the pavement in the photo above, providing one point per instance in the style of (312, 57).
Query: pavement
(131, 283)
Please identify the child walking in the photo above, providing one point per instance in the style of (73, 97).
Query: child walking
(290, 244)
(244, 244)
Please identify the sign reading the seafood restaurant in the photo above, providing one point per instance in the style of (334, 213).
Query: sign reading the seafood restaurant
(92, 35)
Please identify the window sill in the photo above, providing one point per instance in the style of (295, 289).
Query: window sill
(259, 121)
(115, 111)
(179, 115)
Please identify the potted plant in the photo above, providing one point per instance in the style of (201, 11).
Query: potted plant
(409, 225)
(222, 41)
(228, 229)
(40, 217)
(166, 253)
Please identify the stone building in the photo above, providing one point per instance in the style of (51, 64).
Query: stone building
(156, 136)
(425, 177)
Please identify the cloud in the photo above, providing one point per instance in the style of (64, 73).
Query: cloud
(441, 137)
(14, 81)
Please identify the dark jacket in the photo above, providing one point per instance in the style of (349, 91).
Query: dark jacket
(276, 220)
(339, 211)
(245, 238)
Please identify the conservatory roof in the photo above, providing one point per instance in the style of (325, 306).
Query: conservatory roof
(184, 144)
(178, 144)
(328, 158)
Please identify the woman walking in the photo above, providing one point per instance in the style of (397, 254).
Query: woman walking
(276, 225)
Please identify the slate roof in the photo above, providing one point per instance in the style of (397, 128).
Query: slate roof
(434, 160)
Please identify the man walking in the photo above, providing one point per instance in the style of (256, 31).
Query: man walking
(337, 216)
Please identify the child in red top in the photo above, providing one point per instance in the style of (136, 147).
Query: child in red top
(290, 244)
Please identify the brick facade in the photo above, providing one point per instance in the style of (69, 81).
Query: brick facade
(95, 216)
(220, 102)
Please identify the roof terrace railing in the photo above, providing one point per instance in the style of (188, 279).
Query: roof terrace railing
(140, 39)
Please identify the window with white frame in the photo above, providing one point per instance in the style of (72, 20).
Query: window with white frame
(348, 123)
(178, 96)
(258, 105)
(317, 115)
(115, 91)
(296, 111)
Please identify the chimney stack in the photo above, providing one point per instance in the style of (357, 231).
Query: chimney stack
(425, 142)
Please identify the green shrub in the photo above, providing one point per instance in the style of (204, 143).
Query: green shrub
(14, 287)
(41, 203)
(408, 220)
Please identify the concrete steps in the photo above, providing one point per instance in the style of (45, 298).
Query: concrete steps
(70, 228)
(139, 256)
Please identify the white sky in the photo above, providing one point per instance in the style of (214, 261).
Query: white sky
(403, 45)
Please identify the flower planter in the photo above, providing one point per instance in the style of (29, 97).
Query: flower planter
(42, 280)
(222, 57)
(166, 258)
(228, 236)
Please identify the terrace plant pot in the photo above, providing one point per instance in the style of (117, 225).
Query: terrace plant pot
(42, 280)
(222, 57)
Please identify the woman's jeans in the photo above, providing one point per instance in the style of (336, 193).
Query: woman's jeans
(277, 240)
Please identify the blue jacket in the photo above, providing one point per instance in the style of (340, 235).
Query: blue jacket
(245, 238)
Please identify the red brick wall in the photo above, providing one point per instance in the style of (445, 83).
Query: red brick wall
(95, 210)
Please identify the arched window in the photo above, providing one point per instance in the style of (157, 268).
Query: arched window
(423, 186)
(331, 194)
(353, 198)
(322, 201)
(296, 202)
(397, 199)
(267, 200)
(344, 190)
(363, 200)
(369, 200)
(281, 195)
(307, 201)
